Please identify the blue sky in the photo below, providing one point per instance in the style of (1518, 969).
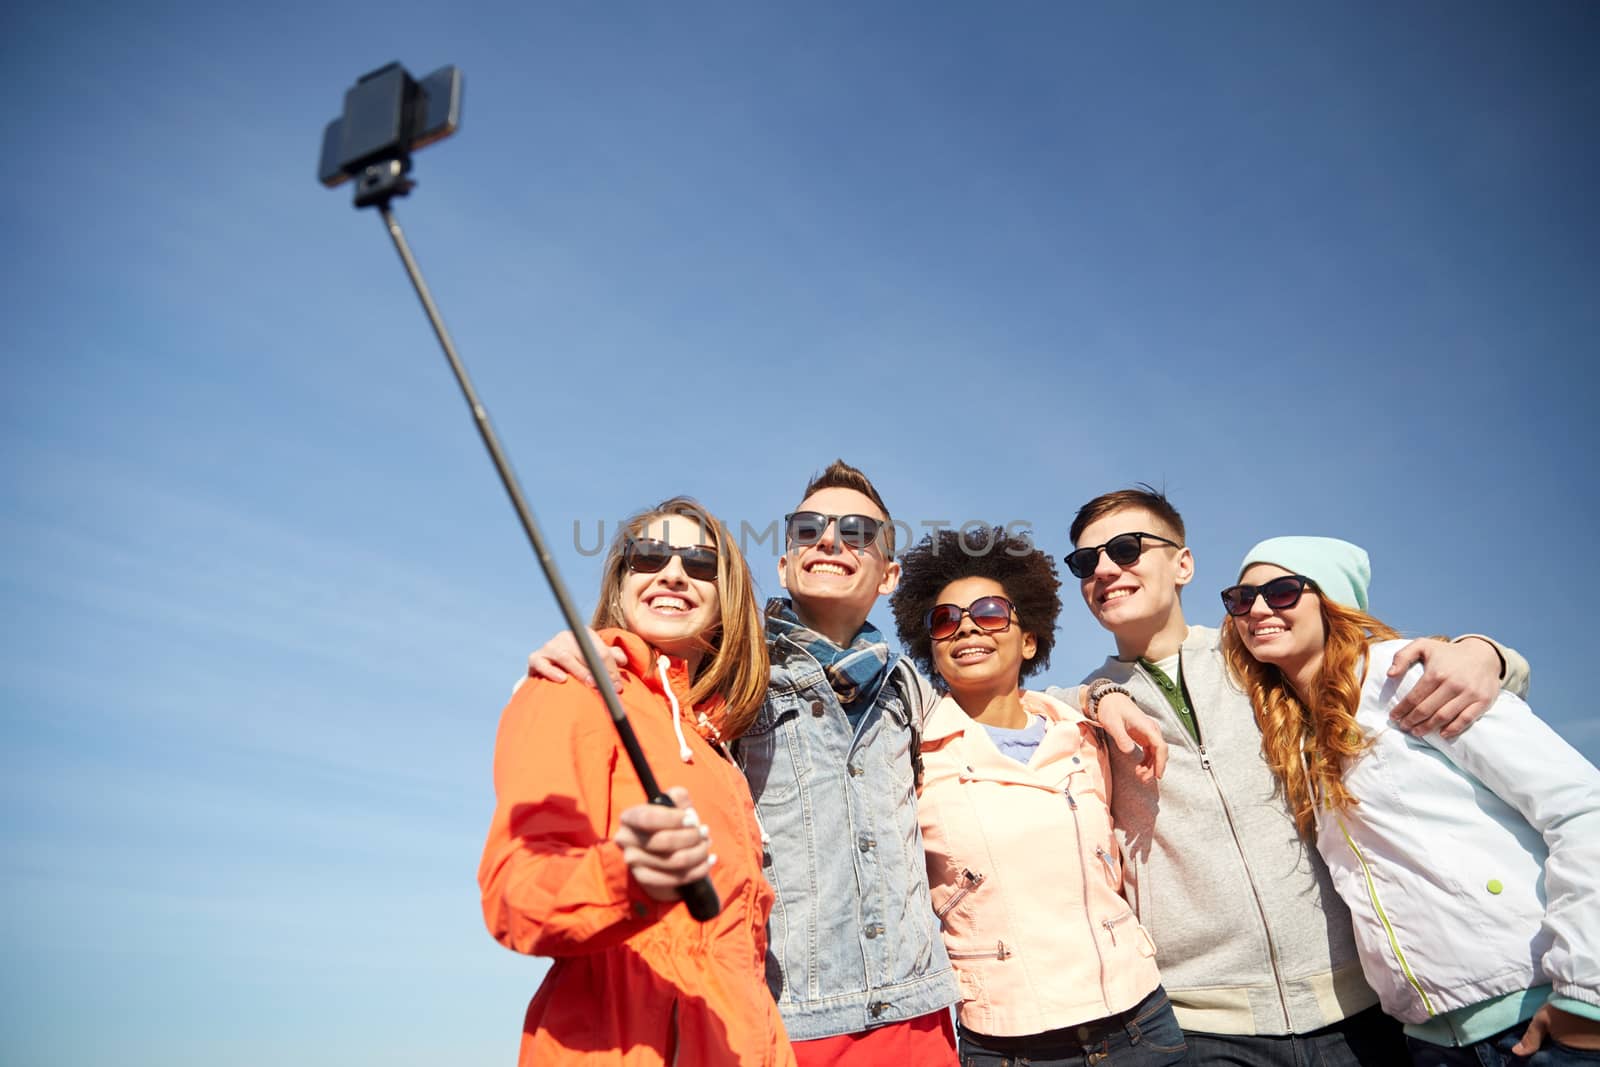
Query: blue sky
(1314, 270)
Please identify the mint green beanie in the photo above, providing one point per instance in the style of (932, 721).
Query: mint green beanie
(1341, 570)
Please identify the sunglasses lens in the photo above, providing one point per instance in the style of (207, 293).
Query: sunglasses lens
(858, 531)
(1282, 593)
(1082, 562)
(700, 563)
(649, 556)
(805, 527)
(943, 620)
(991, 613)
(1123, 549)
(646, 557)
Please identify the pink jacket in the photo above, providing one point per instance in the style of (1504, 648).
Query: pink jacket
(1026, 876)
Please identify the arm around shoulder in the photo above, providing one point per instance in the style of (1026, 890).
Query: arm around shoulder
(1111, 707)
(1460, 682)
(1515, 672)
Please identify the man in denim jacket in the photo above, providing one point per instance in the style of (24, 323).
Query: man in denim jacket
(855, 960)
(855, 955)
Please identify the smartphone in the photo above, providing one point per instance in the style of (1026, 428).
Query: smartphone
(389, 113)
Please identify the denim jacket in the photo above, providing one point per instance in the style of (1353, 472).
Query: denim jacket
(852, 941)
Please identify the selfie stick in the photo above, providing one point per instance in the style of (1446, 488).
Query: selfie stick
(376, 185)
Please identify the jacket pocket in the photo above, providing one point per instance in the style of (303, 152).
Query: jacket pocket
(965, 885)
(1107, 862)
(1125, 930)
(765, 755)
(999, 952)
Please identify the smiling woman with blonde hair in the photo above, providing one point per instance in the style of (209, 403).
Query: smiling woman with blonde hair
(733, 665)
(578, 867)
(1471, 866)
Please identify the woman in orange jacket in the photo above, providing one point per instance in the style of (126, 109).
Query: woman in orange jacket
(580, 868)
(1014, 805)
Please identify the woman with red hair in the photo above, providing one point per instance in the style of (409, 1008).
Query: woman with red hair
(1471, 866)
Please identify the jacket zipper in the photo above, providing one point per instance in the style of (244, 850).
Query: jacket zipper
(1394, 942)
(1111, 925)
(1083, 873)
(969, 882)
(1233, 830)
(1255, 892)
(1105, 857)
(1000, 953)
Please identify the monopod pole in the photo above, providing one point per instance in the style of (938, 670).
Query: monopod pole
(700, 896)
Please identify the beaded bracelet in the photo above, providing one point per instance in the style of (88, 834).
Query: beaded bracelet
(1099, 688)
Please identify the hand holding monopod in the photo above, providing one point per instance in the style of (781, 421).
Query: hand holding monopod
(386, 116)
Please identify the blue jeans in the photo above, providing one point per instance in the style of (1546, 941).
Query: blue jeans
(1146, 1035)
(1496, 1052)
(1366, 1039)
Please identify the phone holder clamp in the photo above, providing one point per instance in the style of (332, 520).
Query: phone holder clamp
(380, 182)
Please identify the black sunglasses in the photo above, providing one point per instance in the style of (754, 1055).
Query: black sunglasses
(807, 527)
(1280, 594)
(646, 555)
(1122, 550)
(991, 613)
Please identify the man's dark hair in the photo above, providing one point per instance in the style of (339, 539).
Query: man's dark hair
(840, 475)
(1026, 574)
(1142, 495)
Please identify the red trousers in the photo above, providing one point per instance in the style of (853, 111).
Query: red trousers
(926, 1041)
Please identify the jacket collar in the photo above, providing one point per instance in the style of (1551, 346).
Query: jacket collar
(971, 745)
(1196, 643)
(644, 664)
(947, 719)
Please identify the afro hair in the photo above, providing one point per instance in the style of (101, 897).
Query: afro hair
(1026, 574)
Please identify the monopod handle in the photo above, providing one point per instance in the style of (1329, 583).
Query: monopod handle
(700, 895)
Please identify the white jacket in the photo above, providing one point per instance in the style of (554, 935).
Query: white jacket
(1471, 867)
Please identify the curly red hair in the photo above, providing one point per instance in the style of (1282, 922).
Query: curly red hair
(1306, 745)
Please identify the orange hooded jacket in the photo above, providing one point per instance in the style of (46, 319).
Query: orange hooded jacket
(635, 981)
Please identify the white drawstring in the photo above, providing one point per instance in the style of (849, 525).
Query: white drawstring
(684, 753)
(1312, 787)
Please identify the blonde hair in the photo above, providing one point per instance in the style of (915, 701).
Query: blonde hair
(1306, 746)
(735, 664)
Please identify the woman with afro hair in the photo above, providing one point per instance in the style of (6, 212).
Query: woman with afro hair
(1015, 811)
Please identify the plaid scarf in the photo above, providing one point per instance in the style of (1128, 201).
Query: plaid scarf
(854, 672)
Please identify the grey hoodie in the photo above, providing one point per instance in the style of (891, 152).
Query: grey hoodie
(1251, 937)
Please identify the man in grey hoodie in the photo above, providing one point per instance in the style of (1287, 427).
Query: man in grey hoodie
(1254, 945)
